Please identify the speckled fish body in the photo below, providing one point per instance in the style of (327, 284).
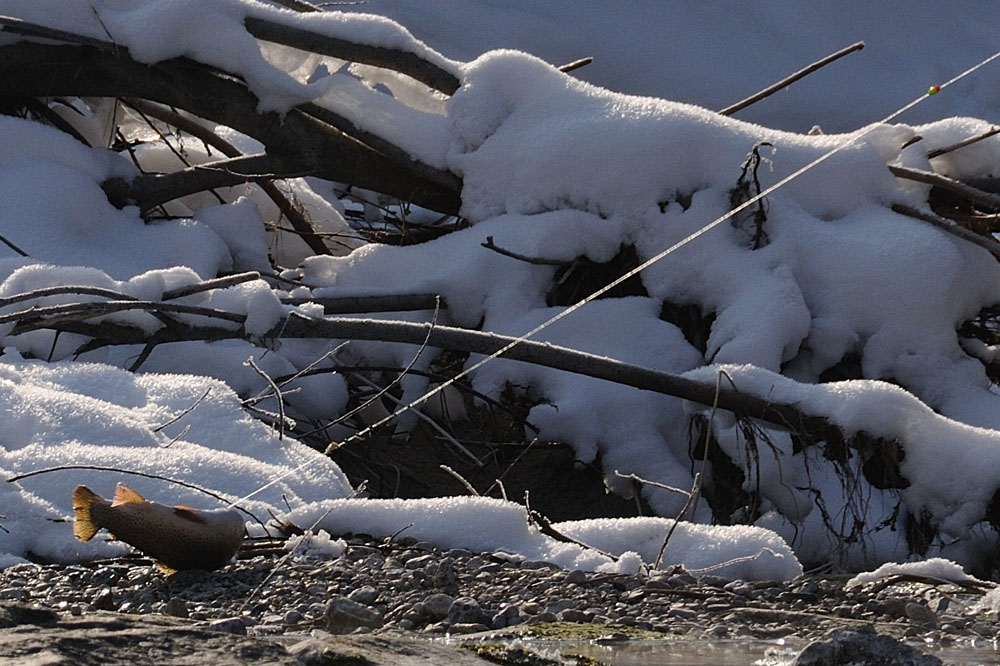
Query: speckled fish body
(177, 537)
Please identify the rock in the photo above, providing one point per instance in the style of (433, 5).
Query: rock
(465, 610)
(110, 639)
(508, 616)
(36, 636)
(574, 615)
(921, 614)
(366, 594)
(467, 628)
(382, 651)
(844, 647)
(176, 607)
(438, 605)
(344, 616)
(103, 600)
(228, 625)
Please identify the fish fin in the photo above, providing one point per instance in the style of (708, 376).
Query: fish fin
(84, 527)
(125, 495)
(165, 568)
(187, 513)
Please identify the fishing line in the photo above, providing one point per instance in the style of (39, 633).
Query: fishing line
(860, 134)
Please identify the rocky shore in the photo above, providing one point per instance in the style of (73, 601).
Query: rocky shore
(406, 589)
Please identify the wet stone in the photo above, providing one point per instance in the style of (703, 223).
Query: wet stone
(465, 610)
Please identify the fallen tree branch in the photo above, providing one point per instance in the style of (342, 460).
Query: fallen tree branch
(788, 80)
(36, 318)
(784, 416)
(404, 62)
(149, 190)
(367, 304)
(991, 201)
(295, 141)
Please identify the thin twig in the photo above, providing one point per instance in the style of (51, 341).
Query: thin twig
(735, 560)
(279, 398)
(544, 526)
(3, 239)
(499, 480)
(489, 245)
(461, 479)
(654, 484)
(991, 201)
(423, 417)
(788, 80)
(208, 285)
(184, 412)
(27, 29)
(47, 317)
(576, 64)
(938, 152)
(44, 292)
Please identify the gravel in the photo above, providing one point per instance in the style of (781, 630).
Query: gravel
(411, 587)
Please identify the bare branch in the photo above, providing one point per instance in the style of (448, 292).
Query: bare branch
(386, 303)
(938, 152)
(490, 245)
(784, 416)
(397, 60)
(296, 142)
(208, 285)
(991, 201)
(576, 64)
(788, 80)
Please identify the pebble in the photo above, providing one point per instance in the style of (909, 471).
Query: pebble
(413, 588)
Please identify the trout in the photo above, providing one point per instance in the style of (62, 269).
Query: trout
(177, 537)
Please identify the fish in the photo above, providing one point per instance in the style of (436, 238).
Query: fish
(176, 537)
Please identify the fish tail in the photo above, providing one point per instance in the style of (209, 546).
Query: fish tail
(84, 500)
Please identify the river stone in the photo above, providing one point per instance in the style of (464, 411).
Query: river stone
(344, 616)
(31, 636)
(921, 614)
(366, 594)
(465, 610)
(843, 647)
(37, 636)
(438, 605)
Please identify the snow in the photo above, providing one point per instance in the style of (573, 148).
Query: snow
(934, 568)
(625, 152)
